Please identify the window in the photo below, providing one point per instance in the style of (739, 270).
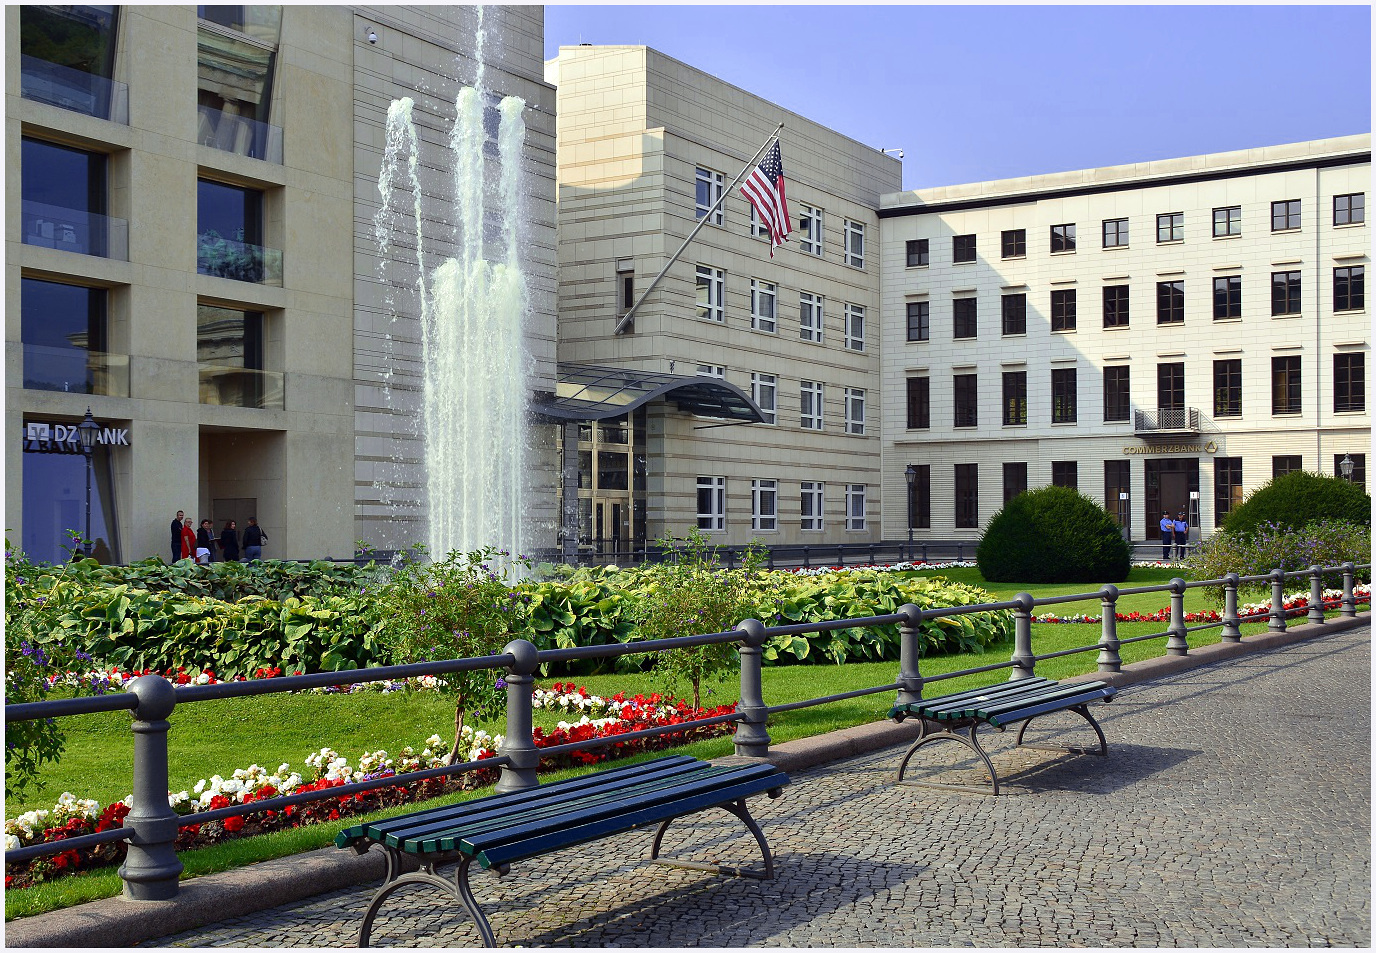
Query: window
(967, 495)
(1063, 310)
(1349, 382)
(1285, 215)
(965, 322)
(1228, 388)
(918, 254)
(1227, 297)
(1170, 302)
(235, 73)
(814, 499)
(711, 293)
(966, 390)
(1170, 227)
(1227, 486)
(229, 234)
(625, 286)
(229, 349)
(855, 506)
(1281, 465)
(920, 498)
(963, 248)
(810, 317)
(709, 186)
(1285, 385)
(1170, 387)
(811, 405)
(1358, 467)
(1062, 238)
(764, 391)
(764, 505)
(919, 403)
(1349, 209)
(1285, 292)
(919, 321)
(763, 299)
(1014, 313)
(1063, 396)
(64, 331)
(1115, 233)
(64, 194)
(1117, 483)
(714, 371)
(1116, 306)
(1349, 288)
(810, 230)
(1014, 480)
(68, 58)
(1065, 473)
(758, 229)
(1014, 243)
(855, 410)
(854, 233)
(1014, 398)
(1228, 221)
(1117, 404)
(855, 327)
(711, 503)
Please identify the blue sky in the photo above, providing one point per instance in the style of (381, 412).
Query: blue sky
(982, 92)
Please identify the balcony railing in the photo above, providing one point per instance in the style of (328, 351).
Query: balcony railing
(68, 88)
(1174, 420)
(238, 261)
(75, 370)
(74, 230)
(228, 386)
(230, 132)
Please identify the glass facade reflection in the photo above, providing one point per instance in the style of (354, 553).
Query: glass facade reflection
(55, 499)
(64, 333)
(64, 197)
(67, 59)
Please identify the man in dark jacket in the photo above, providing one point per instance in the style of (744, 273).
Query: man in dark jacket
(177, 536)
(229, 542)
(254, 538)
(205, 538)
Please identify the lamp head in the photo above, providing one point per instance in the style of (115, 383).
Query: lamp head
(88, 430)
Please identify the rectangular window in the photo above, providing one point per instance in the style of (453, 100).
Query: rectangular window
(1014, 398)
(918, 254)
(758, 229)
(1062, 238)
(1227, 486)
(1170, 387)
(1285, 385)
(814, 499)
(1116, 306)
(64, 196)
(855, 243)
(1228, 388)
(709, 185)
(1014, 243)
(1349, 209)
(764, 505)
(1014, 480)
(1285, 215)
(1064, 400)
(1170, 302)
(1115, 233)
(809, 230)
(714, 371)
(712, 503)
(764, 391)
(1285, 292)
(810, 317)
(229, 349)
(625, 287)
(1228, 221)
(1117, 482)
(810, 394)
(855, 327)
(63, 329)
(1227, 297)
(919, 403)
(855, 410)
(920, 498)
(1170, 227)
(1117, 403)
(1349, 382)
(1014, 313)
(1349, 288)
(919, 321)
(966, 390)
(1358, 467)
(763, 305)
(965, 323)
(855, 506)
(711, 291)
(229, 234)
(1281, 465)
(1063, 310)
(1065, 473)
(967, 495)
(963, 248)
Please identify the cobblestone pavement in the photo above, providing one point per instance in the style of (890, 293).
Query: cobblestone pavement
(1233, 810)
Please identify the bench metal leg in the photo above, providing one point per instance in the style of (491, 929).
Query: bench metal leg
(459, 889)
(971, 742)
(739, 809)
(1083, 712)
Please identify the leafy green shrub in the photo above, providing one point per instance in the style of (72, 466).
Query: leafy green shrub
(270, 579)
(1053, 534)
(1293, 500)
(1271, 547)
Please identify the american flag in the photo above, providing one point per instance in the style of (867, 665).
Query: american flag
(764, 188)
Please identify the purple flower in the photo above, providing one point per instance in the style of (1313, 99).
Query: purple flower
(499, 684)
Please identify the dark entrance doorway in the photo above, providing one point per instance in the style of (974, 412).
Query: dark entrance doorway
(1170, 481)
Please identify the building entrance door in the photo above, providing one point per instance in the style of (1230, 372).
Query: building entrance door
(1170, 481)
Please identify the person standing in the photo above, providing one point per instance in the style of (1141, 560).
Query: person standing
(229, 542)
(205, 541)
(188, 540)
(177, 536)
(254, 538)
(1182, 535)
(1167, 536)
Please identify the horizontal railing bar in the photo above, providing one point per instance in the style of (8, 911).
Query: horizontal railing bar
(642, 733)
(1057, 600)
(357, 676)
(968, 610)
(968, 671)
(794, 706)
(1142, 590)
(1144, 638)
(1062, 652)
(579, 652)
(58, 707)
(860, 622)
(20, 854)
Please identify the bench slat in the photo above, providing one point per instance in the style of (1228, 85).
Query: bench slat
(994, 706)
(959, 708)
(1045, 708)
(912, 708)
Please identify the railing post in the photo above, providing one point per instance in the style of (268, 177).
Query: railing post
(960, 552)
(1023, 660)
(1349, 608)
(1315, 594)
(1109, 659)
(519, 743)
(752, 740)
(1277, 617)
(924, 552)
(1175, 642)
(1230, 631)
(806, 563)
(151, 868)
(909, 648)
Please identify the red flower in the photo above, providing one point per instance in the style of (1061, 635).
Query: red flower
(234, 824)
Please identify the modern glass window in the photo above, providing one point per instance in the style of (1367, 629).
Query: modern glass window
(855, 410)
(763, 305)
(1064, 397)
(963, 248)
(1170, 227)
(1170, 302)
(1288, 463)
(1227, 297)
(1014, 480)
(918, 254)
(1117, 390)
(967, 495)
(1065, 473)
(764, 505)
(1014, 243)
(63, 328)
(68, 58)
(920, 498)
(64, 196)
(235, 77)
(919, 321)
(855, 506)
(814, 503)
(1349, 288)
(810, 308)
(1170, 386)
(855, 327)
(1014, 398)
(1227, 486)
(965, 319)
(811, 405)
(712, 503)
(809, 230)
(1358, 467)
(711, 293)
(709, 186)
(1349, 209)
(1285, 292)
(1285, 215)
(965, 389)
(229, 234)
(1228, 388)
(1062, 238)
(1115, 306)
(1285, 385)
(229, 349)
(1063, 310)
(1115, 233)
(1349, 382)
(854, 233)
(764, 391)
(1014, 313)
(919, 403)
(1228, 221)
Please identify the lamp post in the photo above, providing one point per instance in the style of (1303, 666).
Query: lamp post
(88, 429)
(911, 474)
(1345, 466)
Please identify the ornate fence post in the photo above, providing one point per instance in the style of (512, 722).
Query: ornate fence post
(1315, 594)
(1277, 618)
(1230, 632)
(1109, 659)
(519, 743)
(151, 867)
(909, 648)
(1349, 608)
(752, 740)
(1176, 632)
(1023, 660)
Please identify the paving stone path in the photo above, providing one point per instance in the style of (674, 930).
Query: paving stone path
(1233, 810)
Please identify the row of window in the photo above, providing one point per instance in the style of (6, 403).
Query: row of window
(764, 309)
(764, 505)
(764, 391)
(1348, 209)
(1349, 392)
(709, 206)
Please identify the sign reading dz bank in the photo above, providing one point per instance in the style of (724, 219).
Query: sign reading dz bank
(66, 438)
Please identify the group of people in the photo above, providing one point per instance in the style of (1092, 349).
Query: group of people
(200, 544)
(1175, 531)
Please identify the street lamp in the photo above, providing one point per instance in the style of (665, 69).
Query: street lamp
(911, 474)
(1345, 466)
(88, 430)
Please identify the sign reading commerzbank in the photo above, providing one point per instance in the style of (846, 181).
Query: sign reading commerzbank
(1164, 448)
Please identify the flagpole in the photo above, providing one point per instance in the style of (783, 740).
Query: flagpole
(626, 319)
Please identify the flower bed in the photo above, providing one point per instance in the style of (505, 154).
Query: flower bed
(1295, 603)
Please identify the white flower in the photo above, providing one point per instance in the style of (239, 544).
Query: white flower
(12, 842)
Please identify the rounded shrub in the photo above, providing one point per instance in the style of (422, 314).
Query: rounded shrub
(1053, 534)
(1296, 499)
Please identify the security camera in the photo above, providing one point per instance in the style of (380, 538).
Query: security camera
(372, 37)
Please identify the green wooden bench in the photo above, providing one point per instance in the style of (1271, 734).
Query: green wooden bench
(498, 830)
(1008, 703)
